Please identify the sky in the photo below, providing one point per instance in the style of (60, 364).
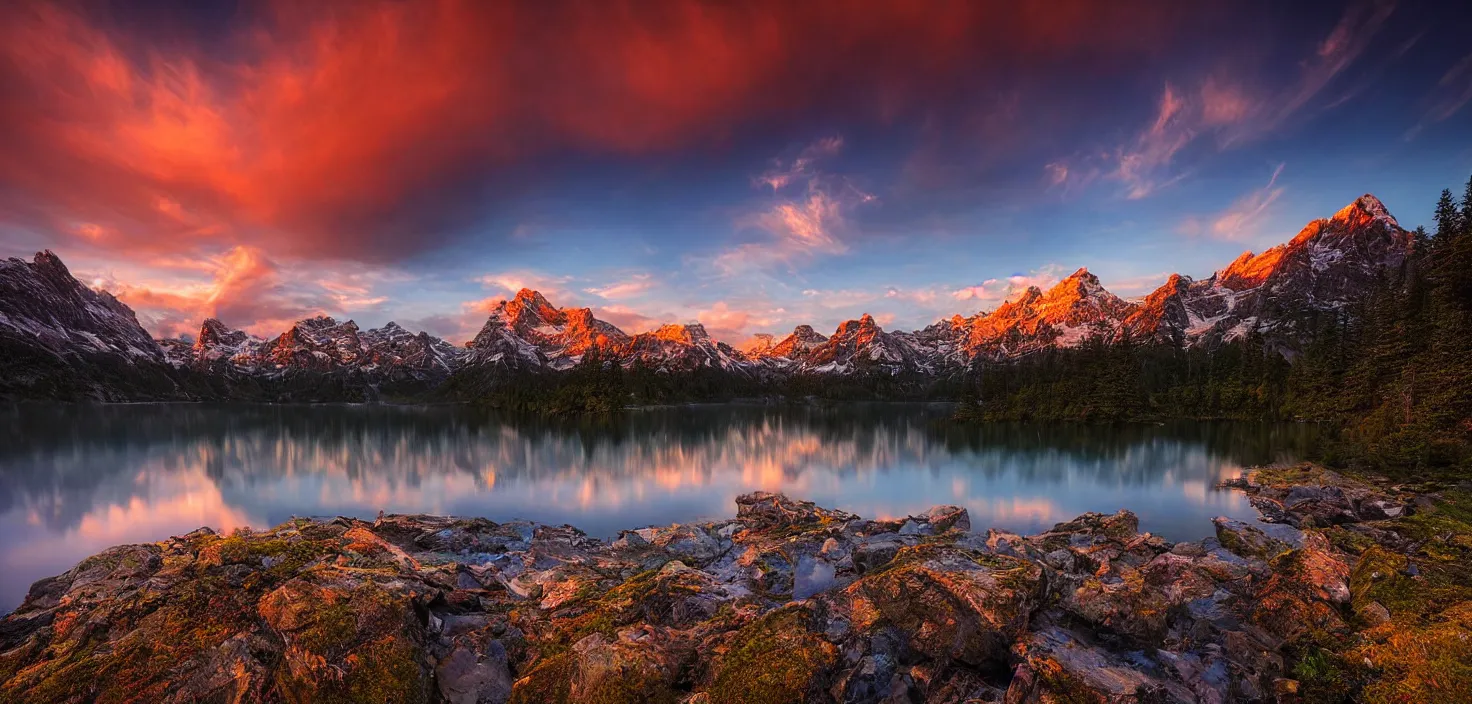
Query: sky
(749, 166)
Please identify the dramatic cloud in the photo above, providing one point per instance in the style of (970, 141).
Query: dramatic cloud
(244, 288)
(266, 161)
(373, 130)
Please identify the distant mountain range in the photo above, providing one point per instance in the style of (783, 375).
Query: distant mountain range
(62, 340)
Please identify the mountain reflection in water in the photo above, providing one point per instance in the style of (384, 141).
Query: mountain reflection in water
(77, 479)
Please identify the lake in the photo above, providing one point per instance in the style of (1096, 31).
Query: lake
(76, 479)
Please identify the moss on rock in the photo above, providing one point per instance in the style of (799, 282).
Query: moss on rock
(777, 659)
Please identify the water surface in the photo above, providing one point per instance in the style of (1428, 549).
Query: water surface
(77, 479)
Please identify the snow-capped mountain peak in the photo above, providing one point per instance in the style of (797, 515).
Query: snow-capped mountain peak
(1366, 208)
(1330, 262)
(1277, 294)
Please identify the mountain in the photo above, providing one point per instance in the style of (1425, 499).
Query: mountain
(1066, 315)
(1327, 267)
(799, 344)
(61, 340)
(861, 346)
(562, 336)
(67, 341)
(317, 359)
(760, 345)
(682, 348)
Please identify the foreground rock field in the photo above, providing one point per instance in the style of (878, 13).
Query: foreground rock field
(1358, 590)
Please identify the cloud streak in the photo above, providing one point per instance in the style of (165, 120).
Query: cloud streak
(1222, 112)
(1243, 219)
(1451, 93)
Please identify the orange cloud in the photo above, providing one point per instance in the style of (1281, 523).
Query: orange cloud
(630, 320)
(998, 290)
(350, 129)
(242, 287)
(630, 287)
(736, 323)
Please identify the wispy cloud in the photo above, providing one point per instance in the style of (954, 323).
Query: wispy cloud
(993, 291)
(1133, 286)
(1144, 165)
(627, 288)
(736, 323)
(1349, 39)
(801, 168)
(629, 320)
(1244, 218)
(1223, 111)
(797, 227)
(553, 287)
(1450, 95)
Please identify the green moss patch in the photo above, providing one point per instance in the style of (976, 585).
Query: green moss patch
(777, 659)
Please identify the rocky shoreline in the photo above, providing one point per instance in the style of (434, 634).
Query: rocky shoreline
(1356, 589)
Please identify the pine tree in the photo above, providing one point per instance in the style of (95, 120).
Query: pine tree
(1467, 208)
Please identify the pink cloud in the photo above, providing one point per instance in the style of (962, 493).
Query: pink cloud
(1226, 112)
(553, 287)
(993, 291)
(241, 286)
(630, 320)
(245, 290)
(1241, 220)
(628, 288)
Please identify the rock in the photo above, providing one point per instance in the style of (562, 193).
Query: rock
(629, 540)
(632, 668)
(872, 553)
(955, 604)
(763, 510)
(1060, 665)
(944, 518)
(471, 676)
(1376, 509)
(780, 657)
(1262, 541)
(793, 603)
(690, 543)
(1374, 613)
(813, 575)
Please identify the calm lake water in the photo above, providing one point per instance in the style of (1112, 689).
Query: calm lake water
(75, 480)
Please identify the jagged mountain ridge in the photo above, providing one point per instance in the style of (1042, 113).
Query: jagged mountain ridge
(62, 340)
(1065, 315)
(1327, 266)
